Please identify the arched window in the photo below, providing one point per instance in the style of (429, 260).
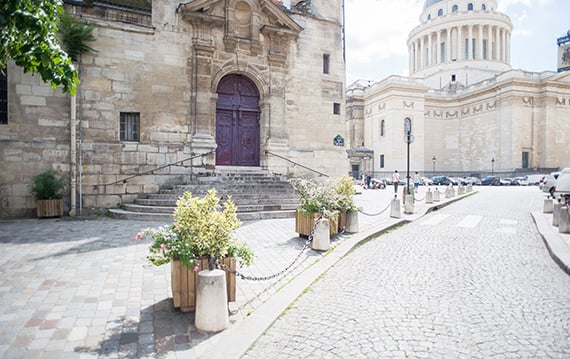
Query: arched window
(454, 8)
(429, 17)
(470, 7)
(483, 7)
(440, 12)
(382, 128)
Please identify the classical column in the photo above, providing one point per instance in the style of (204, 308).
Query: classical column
(480, 53)
(438, 48)
(498, 43)
(422, 46)
(508, 47)
(429, 50)
(410, 59)
(459, 44)
(448, 46)
(489, 42)
(503, 45)
(470, 42)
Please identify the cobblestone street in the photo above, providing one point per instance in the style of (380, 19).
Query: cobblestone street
(472, 280)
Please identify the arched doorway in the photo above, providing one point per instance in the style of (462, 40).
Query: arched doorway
(237, 122)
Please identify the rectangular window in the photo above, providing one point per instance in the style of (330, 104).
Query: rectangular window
(381, 161)
(442, 53)
(326, 63)
(3, 97)
(336, 108)
(484, 49)
(525, 159)
(130, 124)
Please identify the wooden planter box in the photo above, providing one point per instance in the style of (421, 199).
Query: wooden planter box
(185, 280)
(304, 223)
(49, 208)
(341, 221)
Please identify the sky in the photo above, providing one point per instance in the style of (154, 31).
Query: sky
(377, 31)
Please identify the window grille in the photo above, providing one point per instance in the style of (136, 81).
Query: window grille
(130, 124)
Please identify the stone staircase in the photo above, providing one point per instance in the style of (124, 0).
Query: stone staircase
(256, 193)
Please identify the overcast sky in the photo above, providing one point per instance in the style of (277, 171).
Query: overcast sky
(377, 31)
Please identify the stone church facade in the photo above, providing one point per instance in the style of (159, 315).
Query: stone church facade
(471, 113)
(247, 83)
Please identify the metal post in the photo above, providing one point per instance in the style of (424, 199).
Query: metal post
(433, 159)
(408, 171)
(493, 166)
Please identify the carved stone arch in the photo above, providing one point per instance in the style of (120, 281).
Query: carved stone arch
(257, 79)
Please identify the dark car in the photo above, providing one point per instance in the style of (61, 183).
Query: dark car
(491, 181)
(441, 181)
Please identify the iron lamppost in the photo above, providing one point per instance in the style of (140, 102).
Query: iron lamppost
(433, 159)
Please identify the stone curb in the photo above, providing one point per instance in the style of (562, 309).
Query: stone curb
(558, 249)
(236, 340)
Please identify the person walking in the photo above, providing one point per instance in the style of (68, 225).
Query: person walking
(396, 181)
(417, 180)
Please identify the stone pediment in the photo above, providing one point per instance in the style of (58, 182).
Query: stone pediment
(270, 16)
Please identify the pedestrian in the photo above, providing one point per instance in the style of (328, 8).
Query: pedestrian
(368, 180)
(417, 180)
(396, 181)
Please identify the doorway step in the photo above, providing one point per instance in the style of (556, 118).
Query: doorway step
(256, 193)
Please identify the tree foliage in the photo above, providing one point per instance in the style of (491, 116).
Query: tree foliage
(28, 35)
(74, 35)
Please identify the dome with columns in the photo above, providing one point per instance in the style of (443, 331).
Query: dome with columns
(459, 42)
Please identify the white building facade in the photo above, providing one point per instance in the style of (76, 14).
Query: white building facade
(470, 112)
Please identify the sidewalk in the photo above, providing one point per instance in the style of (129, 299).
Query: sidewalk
(558, 244)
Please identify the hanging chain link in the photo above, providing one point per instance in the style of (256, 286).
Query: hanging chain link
(284, 270)
(375, 214)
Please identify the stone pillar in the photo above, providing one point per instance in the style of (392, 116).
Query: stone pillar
(548, 206)
(436, 197)
(429, 197)
(212, 301)
(459, 44)
(448, 47)
(395, 211)
(409, 206)
(556, 214)
(489, 42)
(429, 50)
(422, 45)
(352, 222)
(470, 42)
(497, 43)
(321, 238)
(438, 48)
(503, 45)
(564, 222)
(480, 50)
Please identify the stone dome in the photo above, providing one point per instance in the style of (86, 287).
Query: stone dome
(429, 3)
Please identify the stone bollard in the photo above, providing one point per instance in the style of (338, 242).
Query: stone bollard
(548, 205)
(436, 195)
(452, 192)
(212, 301)
(461, 190)
(447, 194)
(469, 188)
(395, 208)
(429, 197)
(352, 222)
(564, 224)
(556, 214)
(322, 238)
(409, 206)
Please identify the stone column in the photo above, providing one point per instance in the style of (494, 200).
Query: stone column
(489, 42)
(448, 47)
(438, 48)
(503, 45)
(422, 45)
(508, 48)
(470, 42)
(429, 50)
(459, 44)
(480, 53)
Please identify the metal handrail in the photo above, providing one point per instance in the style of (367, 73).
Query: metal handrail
(296, 163)
(124, 180)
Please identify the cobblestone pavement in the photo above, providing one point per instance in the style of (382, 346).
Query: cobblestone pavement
(81, 288)
(472, 280)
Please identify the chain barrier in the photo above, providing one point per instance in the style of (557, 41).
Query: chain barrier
(375, 214)
(284, 270)
(419, 199)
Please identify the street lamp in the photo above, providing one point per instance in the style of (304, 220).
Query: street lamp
(493, 166)
(433, 159)
(409, 138)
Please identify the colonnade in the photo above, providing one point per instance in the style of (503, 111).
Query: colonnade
(460, 43)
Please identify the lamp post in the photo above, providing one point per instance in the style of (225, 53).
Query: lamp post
(409, 138)
(433, 159)
(493, 166)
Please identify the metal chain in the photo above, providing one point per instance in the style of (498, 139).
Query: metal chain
(419, 200)
(284, 270)
(376, 214)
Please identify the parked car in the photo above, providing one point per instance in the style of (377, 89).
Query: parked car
(425, 181)
(562, 185)
(534, 180)
(491, 181)
(548, 182)
(521, 181)
(441, 181)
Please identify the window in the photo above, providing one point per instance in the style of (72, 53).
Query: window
(525, 157)
(470, 7)
(440, 12)
(454, 8)
(483, 7)
(326, 63)
(382, 128)
(336, 108)
(429, 17)
(3, 97)
(381, 161)
(442, 52)
(130, 124)
(484, 49)
(453, 78)
(473, 48)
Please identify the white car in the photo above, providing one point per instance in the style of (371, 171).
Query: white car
(547, 184)
(562, 185)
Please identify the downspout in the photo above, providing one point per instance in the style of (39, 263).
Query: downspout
(80, 139)
(73, 158)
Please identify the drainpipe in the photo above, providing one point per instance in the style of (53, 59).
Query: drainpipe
(73, 157)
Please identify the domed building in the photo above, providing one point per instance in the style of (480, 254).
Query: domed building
(468, 111)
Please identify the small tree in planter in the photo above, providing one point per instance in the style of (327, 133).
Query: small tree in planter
(201, 230)
(344, 202)
(47, 189)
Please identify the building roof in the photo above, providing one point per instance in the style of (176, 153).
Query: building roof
(429, 3)
(145, 5)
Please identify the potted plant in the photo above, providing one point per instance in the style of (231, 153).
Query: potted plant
(315, 198)
(344, 204)
(47, 189)
(201, 230)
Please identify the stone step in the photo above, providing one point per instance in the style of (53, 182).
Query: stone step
(140, 208)
(166, 217)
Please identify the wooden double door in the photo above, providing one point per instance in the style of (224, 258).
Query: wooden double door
(237, 122)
